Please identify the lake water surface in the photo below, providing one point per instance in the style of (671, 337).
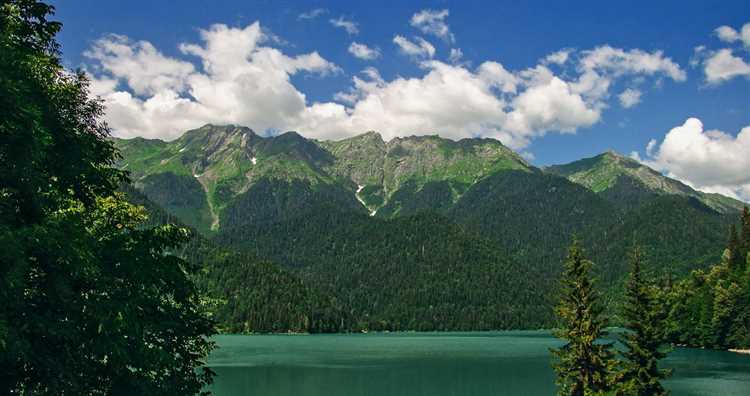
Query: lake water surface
(432, 364)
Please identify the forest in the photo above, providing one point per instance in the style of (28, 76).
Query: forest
(108, 290)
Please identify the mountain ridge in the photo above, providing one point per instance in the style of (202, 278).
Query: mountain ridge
(423, 215)
(226, 161)
(388, 178)
(629, 183)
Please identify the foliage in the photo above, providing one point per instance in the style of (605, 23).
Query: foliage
(247, 294)
(712, 308)
(318, 231)
(258, 193)
(403, 278)
(181, 195)
(677, 234)
(91, 302)
(644, 338)
(420, 272)
(300, 203)
(531, 215)
(256, 296)
(584, 365)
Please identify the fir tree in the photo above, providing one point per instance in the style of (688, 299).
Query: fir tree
(739, 333)
(712, 308)
(734, 247)
(584, 364)
(644, 340)
(745, 229)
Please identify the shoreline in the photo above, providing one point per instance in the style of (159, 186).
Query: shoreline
(293, 333)
(740, 351)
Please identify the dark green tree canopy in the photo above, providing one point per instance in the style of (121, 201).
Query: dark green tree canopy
(92, 303)
(711, 309)
(52, 145)
(585, 364)
(644, 338)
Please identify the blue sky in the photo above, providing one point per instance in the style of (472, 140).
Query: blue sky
(516, 35)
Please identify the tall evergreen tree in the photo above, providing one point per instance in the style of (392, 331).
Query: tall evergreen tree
(91, 302)
(644, 338)
(734, 247)
(745, 231)
(712, 308)
(584, 365)
(739, 333)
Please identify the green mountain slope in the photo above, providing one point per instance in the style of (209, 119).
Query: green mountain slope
(208, 170)
(533, 215)
(419, 272)
(431, 172)
(198, 175)
(250, 294)
(630, 184)
(415, 233)
(677, 233)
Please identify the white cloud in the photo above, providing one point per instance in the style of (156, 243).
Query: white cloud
(451, 101)
(728, 34)
(362, 51)
(351, 27)
(420, 48)
(455, 55)
(496, 76)
(602, 65)
(312, 14)
(241, 82)
(620, 62)
(142, 67)
(549, 105)
(629, 97)
(559, 57)
(102, 85)
(456, 102)
(234, 75)
(433, 22)
(722, 66)
(711, 161)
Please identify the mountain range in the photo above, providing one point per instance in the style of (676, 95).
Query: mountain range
(420, 232)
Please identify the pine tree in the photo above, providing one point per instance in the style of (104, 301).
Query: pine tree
(745, 231)
(712, 309)
(734, 248)
(644, 339)
(584, 365)
(739, 333)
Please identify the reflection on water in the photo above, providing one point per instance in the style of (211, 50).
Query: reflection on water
(434, 364)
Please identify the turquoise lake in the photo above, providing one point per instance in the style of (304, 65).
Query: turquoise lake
(432, 364)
